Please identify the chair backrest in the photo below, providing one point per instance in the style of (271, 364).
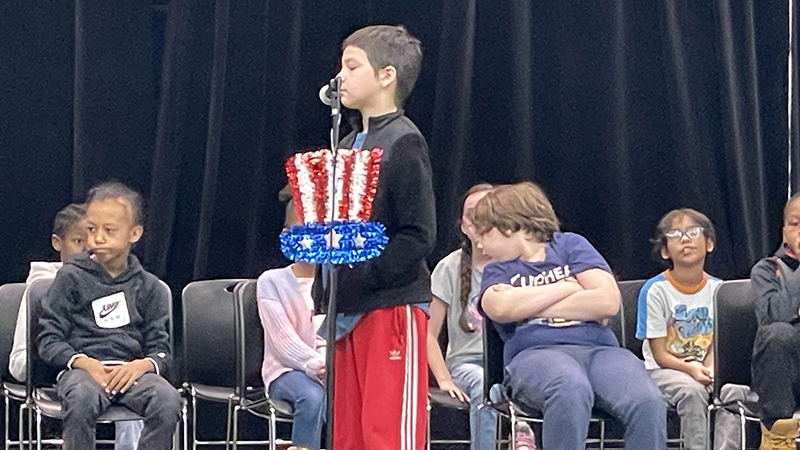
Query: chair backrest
(249, 335)
(493, 367)
(618, 325)
(735, 328)
(209, 336)
(10, 298)
(630, 304)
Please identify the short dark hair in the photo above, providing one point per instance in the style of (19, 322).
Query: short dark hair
(789, 202)
(116, 189)
(659, 241)
(514, 207)
(387, 45)
(67, 217)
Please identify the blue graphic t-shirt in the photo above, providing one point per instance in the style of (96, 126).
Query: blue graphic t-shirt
(567, 255)
(683, 315)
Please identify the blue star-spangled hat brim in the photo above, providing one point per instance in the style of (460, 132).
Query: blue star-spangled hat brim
(337, 243)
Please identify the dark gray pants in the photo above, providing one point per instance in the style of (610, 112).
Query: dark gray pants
(83, 400)
(776, 371)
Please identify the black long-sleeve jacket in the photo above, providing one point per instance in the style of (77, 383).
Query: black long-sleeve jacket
(404, 204)
(776, 286)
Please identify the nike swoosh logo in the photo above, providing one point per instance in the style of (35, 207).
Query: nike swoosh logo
(108, 309)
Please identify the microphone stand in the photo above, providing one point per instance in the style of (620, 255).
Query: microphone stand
(328, 268)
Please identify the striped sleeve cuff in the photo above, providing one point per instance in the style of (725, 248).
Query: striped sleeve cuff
(155, 364)
(72, 360)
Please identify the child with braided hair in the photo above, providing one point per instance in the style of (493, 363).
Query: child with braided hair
(455, 282)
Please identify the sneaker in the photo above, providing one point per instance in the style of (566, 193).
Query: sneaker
(781, 436)
(525, 440)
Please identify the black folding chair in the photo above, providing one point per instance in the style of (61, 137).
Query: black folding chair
(250, 394)
(209, 348)
(41, 377)
(13, 390)
(441, 399)
(735, 327)
(630, 304)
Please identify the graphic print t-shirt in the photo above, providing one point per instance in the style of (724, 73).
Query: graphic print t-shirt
(684, 316)
(566, 255)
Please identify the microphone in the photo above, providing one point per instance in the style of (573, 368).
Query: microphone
(325, 94)
(327, 91)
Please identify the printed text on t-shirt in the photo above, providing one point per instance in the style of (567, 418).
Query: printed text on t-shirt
(561, 273)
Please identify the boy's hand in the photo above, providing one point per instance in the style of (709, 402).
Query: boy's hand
(701, 374)
(321, 372)
(123, 376)
(96, 369)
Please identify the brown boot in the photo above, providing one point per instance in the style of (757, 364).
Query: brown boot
(781, 436)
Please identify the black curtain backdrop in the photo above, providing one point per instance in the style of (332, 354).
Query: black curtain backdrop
(622, 110)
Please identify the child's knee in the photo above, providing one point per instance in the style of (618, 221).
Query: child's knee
(81, 400)
(168, 403)
(778, 335)
(650, 402)
(80, 391)
(313, 398)
(696, 391)
(572, 388)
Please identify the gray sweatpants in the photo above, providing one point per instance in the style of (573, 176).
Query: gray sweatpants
(690, 399)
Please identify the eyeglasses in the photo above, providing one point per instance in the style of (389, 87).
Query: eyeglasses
(691, 233)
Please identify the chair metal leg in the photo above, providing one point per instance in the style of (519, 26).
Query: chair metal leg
(29, 415)
(428, 422)
(228, 424)
(185, 420)
(7, 405)
(193, 399)
(513, 436)
(743, 427)
(7, 442)
(38, 429)
(272, 428)
(235, 440)
(477, 425)
(710, 410)
(602, 434)
(21, 426)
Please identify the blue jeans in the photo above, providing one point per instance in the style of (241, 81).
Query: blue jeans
(127, 434)
(564, 382)
(308, 400)
(468, 376)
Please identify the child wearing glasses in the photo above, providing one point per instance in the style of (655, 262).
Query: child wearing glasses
(675, 320)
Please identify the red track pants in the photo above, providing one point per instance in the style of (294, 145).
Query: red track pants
(381, 382)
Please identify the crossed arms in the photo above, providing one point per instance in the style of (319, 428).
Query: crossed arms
(594, 296)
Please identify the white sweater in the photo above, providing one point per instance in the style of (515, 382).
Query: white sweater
(17, 362)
